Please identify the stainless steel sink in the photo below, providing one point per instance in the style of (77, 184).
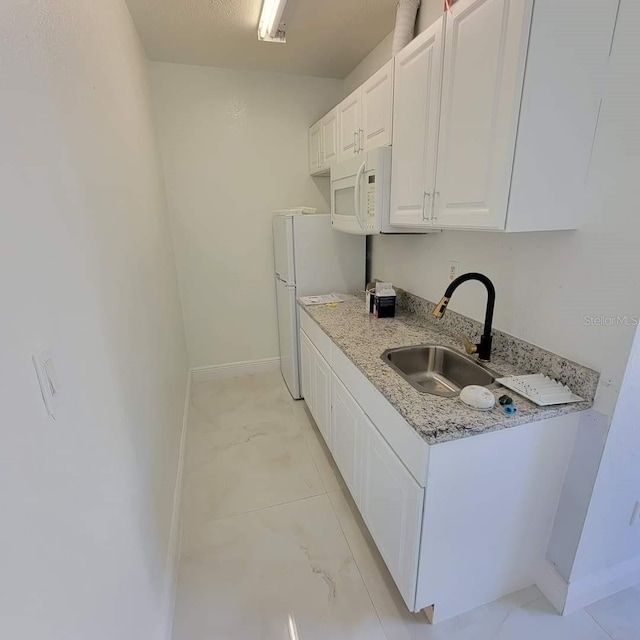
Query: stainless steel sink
(438, 370)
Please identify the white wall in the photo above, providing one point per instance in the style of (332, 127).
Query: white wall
(234, 148)
(608, 539)
(429, 12)
(86, 268)
(374, 61)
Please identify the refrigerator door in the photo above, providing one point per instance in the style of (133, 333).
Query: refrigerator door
(283, 248)
(288, 335)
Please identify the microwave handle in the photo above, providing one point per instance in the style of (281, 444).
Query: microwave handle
(356, 194)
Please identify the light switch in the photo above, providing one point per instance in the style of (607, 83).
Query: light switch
(46, 372)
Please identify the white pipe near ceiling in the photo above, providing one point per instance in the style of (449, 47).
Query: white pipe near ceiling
(405, 24)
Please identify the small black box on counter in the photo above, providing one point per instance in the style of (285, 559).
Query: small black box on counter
(384, 307)
(384, 301)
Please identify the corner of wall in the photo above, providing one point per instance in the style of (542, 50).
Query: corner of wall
(175, 536)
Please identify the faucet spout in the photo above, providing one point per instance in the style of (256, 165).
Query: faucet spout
(484, 346)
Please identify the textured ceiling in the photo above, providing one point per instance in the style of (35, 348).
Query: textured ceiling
(324, 38)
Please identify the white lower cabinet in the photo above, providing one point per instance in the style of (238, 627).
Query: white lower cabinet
(306, 369)
(391, 503)
(347, 423)
(458, 523)
(316, 385)
(322, 394)
(388, 497)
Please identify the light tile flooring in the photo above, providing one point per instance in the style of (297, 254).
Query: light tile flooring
(273, 547)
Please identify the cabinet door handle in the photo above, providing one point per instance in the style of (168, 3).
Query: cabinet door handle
(425, 195)
(434, 214)
(355, 142)
(360, 137)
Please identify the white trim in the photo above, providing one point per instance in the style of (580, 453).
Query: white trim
(552, 584)
(573, 596)
(235, 369)
(175, 535)
(603, 584)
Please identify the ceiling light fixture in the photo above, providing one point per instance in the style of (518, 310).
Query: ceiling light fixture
(272, 25)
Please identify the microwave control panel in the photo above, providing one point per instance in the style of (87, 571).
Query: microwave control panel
(370, 222)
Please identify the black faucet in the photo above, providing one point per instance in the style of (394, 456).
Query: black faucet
(483, 349)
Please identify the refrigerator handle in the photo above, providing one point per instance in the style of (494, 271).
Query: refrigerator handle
(284, 282)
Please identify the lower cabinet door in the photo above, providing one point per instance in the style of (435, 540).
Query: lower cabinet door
(346, 436)
(321, 393)
(306, 369)
(391, 506)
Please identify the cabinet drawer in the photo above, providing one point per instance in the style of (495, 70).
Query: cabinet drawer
(318, 337)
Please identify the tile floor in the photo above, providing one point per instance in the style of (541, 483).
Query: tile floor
(273, 547)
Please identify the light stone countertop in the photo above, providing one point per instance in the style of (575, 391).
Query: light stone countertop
(363, 339)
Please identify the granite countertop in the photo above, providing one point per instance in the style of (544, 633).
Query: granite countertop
(437, 419)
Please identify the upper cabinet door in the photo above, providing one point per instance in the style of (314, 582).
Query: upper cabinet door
(377, 109)
(329, 126)
(349, 118)
(315, 146)
(416, 110)
(484, 59)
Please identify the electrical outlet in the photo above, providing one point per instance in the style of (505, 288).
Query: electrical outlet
(454, 267)
(635, 516)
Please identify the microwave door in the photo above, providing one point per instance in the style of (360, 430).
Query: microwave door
(343, 205)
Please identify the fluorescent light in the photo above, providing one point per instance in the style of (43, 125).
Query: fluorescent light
(270, 17)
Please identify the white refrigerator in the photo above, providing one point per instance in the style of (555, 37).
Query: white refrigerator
(310, 259)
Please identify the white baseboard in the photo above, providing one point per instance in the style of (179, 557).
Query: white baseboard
(235, 369)
(572, 596)
(175, 535)
(552, 584)
(603, 584)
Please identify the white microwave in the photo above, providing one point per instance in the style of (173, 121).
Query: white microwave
(361, 193)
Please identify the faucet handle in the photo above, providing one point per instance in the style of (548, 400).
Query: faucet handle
(469, 347)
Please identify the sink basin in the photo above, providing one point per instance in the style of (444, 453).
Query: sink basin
(437, 370)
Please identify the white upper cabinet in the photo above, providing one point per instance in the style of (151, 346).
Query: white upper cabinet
(329, 125)
(514, 73)
(315, 148)
(365, 117)
(416, 110)
(456, 99)
(484, 59)
(377, 109)
(349, 124)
